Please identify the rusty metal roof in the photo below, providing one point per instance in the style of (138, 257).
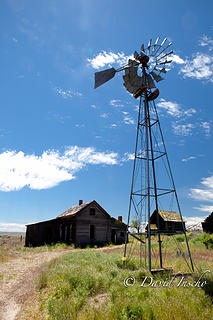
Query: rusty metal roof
(73, 210)
(170, 216)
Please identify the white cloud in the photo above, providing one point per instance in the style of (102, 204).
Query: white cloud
(199, 67)
(116, 103)
(206, 127)
(93, 106)
(66, 94)
(78, 125)
(104, 115)
(205, 208)
(113, 125)
(205, 192)
(194, 223)
(128, 156)
(183, 129)
(12, 227)
(174, 109)
(206, 41)
(127, 119)
(177, 59)
(14, 40)
(188, 159)
(107, 58)
(19, 170)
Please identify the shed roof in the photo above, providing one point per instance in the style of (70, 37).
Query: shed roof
(170, 216)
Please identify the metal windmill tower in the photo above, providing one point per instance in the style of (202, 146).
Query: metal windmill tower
(153, 190)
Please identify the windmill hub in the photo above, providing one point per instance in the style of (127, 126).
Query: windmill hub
(143, 59)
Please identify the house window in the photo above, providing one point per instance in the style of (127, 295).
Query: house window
(92, 211)
(92, 232)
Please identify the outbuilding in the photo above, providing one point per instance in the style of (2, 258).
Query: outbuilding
(86, 223)
(169, 222)
(207, 225)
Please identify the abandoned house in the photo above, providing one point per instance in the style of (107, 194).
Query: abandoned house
(207, 225)
(169, 222)
(86, 223)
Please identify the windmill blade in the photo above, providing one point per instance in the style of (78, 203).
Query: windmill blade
(142, 49)
(156, 76)
(164, 40)
(149, 45)
(150, 82)
(160, 46)
(165, 62)
(164, 56)
(136, 55)
(154, 46)
(161, 70)
(103, 76)
(164, 49)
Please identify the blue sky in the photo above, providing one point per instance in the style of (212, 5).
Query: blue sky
(61, 140)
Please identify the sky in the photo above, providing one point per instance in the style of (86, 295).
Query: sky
(61, 140)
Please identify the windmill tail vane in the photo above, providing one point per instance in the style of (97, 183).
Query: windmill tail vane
(153, 200)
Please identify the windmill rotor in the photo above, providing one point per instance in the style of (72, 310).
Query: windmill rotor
(151, 60)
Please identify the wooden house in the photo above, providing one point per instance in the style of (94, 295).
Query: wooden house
(169, 222)
(86, 223)
(207, 225)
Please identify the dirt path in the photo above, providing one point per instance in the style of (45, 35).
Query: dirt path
(18, 284)
(18, 280)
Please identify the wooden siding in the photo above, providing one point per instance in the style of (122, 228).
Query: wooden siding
(76, 229)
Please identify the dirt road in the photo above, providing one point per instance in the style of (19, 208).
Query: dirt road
(18, 281)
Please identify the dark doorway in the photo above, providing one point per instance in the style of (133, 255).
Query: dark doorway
(92, 232)
(113, 236)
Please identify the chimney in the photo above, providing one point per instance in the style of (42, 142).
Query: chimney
(80, 202)
(120, 218)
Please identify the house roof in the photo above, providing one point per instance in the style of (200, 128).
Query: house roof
(73, 211)
(170, 216)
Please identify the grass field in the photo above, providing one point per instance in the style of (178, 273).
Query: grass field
(91, 284)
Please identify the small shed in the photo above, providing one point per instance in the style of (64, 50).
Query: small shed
(86, 223)
(169, 222)
(207, 225)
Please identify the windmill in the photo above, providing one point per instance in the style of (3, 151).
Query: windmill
(152, 188)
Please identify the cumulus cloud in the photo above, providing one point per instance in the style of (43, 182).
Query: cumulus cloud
(205, 208)
(188, 159)
(104, 115)
(204, 192)
(19, 170)
(183, 129)
(177, 59)
(12, 227)
(194, 223)
(206, 41)
(128, 156)
(116, 103)
(174, 109)
(199, 67)
(127, 119)
(107, 58)
(67, 94)
(206, 125)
